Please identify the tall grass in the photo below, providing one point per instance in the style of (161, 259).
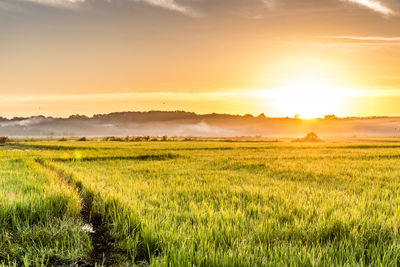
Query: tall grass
(202, 203)
(39, 216)
(246, 204)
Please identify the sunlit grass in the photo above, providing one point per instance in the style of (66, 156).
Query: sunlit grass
(231, 204)
(39, 222)
(252, 204)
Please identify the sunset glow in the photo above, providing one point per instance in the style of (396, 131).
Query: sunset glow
(274, 57)
(199, 132)
(308, 98)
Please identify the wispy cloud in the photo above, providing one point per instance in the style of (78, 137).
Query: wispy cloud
(268, 3)
(375, 6)
(171, 5)
(166, 4)
(59, 3)
(253, 8)
(366, 38)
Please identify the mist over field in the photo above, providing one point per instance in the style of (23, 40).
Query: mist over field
(180, 123)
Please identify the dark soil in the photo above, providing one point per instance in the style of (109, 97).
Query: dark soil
(103, 250)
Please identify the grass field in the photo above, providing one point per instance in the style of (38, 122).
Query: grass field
(200, 203)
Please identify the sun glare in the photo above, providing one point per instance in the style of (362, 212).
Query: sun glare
(307, 97)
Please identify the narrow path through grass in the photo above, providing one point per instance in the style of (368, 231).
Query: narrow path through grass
(98, 228)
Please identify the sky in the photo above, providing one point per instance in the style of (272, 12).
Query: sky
(278, 57)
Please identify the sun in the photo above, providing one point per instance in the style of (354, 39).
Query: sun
(308, 97)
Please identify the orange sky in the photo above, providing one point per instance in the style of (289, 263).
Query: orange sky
(279, 57)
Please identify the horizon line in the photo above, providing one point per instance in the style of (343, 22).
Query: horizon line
(259, 116)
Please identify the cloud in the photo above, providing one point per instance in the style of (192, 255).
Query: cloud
(170, 5)
(6, 6)
(267, 3)
(375, 6)
(249, 8)
(367, 38)
(60, 3)
(166, 4)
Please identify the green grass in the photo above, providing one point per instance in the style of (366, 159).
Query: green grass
(205, 203)
(39, 216)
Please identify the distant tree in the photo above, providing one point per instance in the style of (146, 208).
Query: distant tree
(82, 139)
(330, 117)
(297, 116)
(113, 138)
(78, 117)
(3, 139)
(262, 115)
(165, 138)
(310, 137)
